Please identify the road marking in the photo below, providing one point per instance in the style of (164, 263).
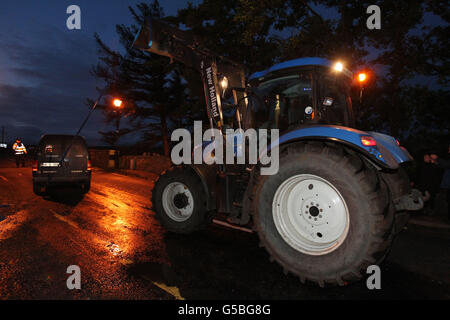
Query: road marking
(173, 291)
(3, 178)
(63, 219)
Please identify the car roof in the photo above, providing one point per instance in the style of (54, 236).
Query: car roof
(62, 137)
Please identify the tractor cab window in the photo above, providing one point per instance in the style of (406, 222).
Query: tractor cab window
(309, 96)
(282, 102)
(334, 104)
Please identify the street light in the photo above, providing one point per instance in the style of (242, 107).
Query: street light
(117, 103)
(362, 77)
(338, 67)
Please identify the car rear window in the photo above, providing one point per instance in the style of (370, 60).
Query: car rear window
(54, 146)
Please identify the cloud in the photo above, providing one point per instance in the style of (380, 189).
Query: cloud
(45, 69)
(45, 80)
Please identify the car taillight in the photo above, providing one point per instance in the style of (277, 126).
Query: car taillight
(398, 142)
(89, 167)
(35, 165)
(368, 141)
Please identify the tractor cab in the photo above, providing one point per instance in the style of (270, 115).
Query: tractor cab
(300, 92)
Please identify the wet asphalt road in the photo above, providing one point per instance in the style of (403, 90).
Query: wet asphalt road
(123, 252)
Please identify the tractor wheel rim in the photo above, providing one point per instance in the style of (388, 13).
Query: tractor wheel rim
(310, 214)
(177, 201)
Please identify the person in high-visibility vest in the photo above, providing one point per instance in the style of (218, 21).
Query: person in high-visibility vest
(19, 151)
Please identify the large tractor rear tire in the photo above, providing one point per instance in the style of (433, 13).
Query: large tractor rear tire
(179, 201)
(326, 216)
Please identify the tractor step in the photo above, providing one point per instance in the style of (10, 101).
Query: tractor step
(231, 226)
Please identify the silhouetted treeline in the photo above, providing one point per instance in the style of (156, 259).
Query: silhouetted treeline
(408, 59)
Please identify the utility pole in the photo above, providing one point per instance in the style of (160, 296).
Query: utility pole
(116, 158)
(3, 134)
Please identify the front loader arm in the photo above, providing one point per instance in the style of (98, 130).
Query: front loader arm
(162, 39)
(158, 37)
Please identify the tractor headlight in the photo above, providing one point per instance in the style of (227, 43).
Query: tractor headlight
(224, 83)
(362, 77)
(338, 66)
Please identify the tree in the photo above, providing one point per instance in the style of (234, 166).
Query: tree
(410, 52)
(258, 34)
(405, 51)
(219, 25)
(154, 92)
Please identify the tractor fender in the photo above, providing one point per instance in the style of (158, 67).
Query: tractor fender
(207, 175)
(386, 154)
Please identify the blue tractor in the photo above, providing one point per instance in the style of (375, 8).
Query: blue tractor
(340, 194)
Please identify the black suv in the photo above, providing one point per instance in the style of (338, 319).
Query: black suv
(49, 170)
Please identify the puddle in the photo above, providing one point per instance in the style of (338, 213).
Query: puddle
(114, 249)
(99, 193)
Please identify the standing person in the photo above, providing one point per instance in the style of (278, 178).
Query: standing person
(19, 151)
(445, 184)
(429, 177)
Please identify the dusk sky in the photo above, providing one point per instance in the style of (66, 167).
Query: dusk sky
(45, 68)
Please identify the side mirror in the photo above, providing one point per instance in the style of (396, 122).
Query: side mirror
(328, 102)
